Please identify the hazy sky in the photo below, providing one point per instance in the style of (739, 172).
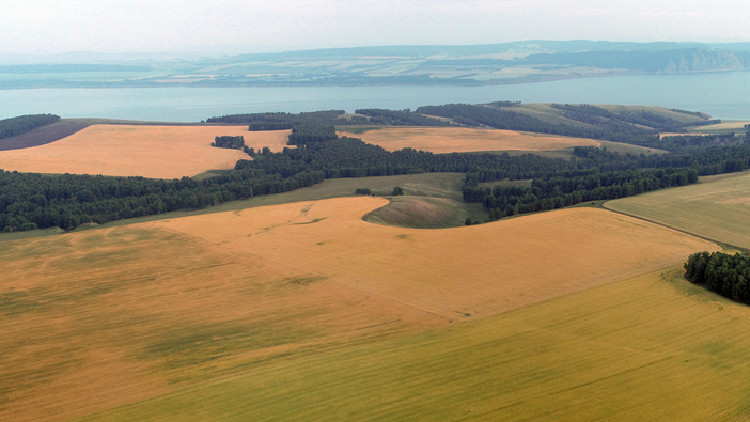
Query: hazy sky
(53, 26)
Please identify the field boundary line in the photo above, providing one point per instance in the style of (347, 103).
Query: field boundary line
(718, 242)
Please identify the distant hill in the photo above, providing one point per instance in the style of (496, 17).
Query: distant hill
(526, 61)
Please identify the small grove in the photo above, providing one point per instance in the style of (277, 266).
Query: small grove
(725, 274)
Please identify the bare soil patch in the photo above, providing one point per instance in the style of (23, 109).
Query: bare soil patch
(42, 135)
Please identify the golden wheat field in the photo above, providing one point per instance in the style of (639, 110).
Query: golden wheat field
(103, 318)
(455, 139)
(139, 150)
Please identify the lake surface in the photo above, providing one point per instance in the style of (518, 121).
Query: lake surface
(723, 95)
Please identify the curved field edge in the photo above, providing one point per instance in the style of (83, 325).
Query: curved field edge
(425, 185)
(102, 318)
(426, 213)
(650, 347)
(716, 209)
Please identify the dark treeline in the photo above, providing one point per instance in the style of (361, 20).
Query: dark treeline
(600, 175)
(572, 188)
(311, 133)
(280, 120)
(727, 275)
(695, 143)
(405, 117)
(347, 157)
(19, 125)
(706, 160)
(29, 201)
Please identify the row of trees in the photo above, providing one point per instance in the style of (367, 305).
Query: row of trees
(725, 274)
(21, 124)
(560, 191)
(309, 133)
(29, 201)
(379, 116)
(280, 120)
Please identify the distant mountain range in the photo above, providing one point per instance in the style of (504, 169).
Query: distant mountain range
(526, 61)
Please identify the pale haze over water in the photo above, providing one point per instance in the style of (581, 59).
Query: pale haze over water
(723, 95)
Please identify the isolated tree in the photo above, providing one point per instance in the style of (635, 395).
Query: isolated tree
(397, 191)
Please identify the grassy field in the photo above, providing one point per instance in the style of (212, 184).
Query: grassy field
(456, 139)
(648, 348)
(427, 213)
(717, 209)
(139, 150)
(262, 296)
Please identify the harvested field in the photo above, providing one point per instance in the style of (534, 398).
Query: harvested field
(716, 210)
(139, 150)
(453, 139)
(103, 318)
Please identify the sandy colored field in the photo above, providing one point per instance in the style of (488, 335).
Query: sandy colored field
(717, 210)
(133, 150)
(739, 126)
(453, 139)
(96, 319)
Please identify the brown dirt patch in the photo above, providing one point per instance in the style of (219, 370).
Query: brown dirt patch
(42, 135)
(139, 150)
(451, 139)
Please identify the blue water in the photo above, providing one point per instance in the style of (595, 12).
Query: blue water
(723, 95)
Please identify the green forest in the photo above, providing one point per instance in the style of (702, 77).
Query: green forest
(725, 274)
(31, 201)
(23, 124)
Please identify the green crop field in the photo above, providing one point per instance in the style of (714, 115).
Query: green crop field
(649, 348)
(717, 209)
